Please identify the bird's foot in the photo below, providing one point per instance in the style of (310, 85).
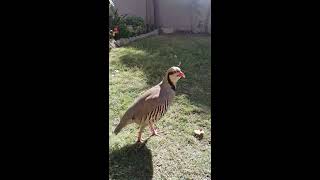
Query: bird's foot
(140, 140)
(155, 133)
(158, 131)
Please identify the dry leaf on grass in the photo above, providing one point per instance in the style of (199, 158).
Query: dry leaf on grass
(199, 133)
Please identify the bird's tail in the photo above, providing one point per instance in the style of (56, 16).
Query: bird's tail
(123, 123)
(118, 128)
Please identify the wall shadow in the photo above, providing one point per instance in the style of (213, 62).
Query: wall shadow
(169, 50)
(132, 161)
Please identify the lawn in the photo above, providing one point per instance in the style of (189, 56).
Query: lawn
(176, 153)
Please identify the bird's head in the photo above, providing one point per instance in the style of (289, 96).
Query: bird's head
(174, 74)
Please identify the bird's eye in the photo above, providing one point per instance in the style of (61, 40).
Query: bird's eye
(173, 72)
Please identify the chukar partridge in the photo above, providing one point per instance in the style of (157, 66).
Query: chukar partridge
(153, 104)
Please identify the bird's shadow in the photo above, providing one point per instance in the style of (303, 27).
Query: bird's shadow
(132, 161)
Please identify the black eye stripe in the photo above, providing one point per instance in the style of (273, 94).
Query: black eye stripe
(173, 72)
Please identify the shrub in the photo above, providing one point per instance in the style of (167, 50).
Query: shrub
(137, 24)
(128, 26)
(117, 19)
(124, 32)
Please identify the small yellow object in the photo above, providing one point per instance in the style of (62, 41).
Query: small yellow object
(199, 133)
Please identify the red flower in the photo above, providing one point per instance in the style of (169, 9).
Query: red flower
(116, 29)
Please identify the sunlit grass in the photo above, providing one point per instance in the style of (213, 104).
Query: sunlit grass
(175, 154)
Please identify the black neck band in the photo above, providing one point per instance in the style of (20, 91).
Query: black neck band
(170, 82)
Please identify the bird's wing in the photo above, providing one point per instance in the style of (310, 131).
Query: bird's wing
(151, 99)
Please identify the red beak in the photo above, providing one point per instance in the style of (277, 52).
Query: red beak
(181, 74)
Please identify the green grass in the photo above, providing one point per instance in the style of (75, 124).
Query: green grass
(176, 153)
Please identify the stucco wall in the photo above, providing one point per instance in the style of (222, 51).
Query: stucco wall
(174, 14)
(185, 15)
(209, 24)
(131, 7)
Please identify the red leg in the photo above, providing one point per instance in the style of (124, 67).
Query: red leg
(140, 140)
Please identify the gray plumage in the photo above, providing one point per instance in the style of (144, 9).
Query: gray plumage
(153, 104)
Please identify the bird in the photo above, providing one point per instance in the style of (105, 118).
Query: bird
(151, 106)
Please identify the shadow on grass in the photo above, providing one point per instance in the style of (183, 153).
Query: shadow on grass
(132, 161)
(162, 52)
